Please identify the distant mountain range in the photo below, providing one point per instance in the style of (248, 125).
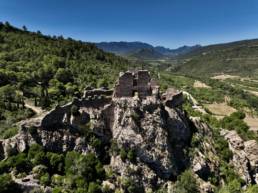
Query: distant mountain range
(240, 58)
(142, 50)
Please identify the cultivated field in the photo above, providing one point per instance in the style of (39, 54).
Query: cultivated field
(220, 109)
(252, 122)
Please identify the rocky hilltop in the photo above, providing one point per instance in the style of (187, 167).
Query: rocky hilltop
(145, 136)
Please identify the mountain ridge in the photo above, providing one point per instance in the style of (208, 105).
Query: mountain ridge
(239, 57)
(124, 48)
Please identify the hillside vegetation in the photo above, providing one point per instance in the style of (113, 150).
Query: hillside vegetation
(45, 67)
(47, 70)
(240, 58)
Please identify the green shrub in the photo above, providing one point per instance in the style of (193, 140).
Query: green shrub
(228, 173)
(114, 149)
(57, 190)
(186, 183)
(39, 170)
(20, 162)
(131, 155)
(222, 148)
(232, 187)
(238, 115)
(33, 130)
(56, 162)
(4, 167)
(123, 154)
(95, 142)
(235, 122)
(45, 179)
(57, 180)
(252, 189)
(195, 142)
(135, 116)
(40, 158)
(7, 185)
(70, 161)
(130, 186)
(75, 110)
(94, 188)
(8, 133)
(34, 149)
(86, 166)
(106, 189)
(81, 190)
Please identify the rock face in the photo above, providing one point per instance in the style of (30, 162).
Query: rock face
(158, 134)
(205, 160)
(173, 98)
(245, 156)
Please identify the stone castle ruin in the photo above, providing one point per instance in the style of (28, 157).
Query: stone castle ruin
(96, 108)
(135, 83)
(130, 84)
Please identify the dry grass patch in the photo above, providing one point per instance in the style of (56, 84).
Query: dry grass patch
(224, 77)
(220, 109)
(199, 84)
(252, 122)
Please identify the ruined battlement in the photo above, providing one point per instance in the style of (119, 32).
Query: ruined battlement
(130, 83)
(90, 92)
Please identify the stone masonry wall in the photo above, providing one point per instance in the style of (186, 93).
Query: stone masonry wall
(124, 88)
(143, 83)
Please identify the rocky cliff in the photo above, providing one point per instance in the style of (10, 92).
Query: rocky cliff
(158, 135)
(149, 140)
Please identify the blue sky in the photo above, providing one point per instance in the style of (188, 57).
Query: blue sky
(171, 23)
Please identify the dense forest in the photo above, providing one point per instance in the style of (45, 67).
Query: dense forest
(51, 68)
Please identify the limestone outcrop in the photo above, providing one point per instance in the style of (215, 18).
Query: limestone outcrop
(205, 160)
(245, 156)
(157, 133)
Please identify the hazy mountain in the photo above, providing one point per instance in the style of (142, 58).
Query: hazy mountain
(131, 48)
(146, 54)
(123, 48)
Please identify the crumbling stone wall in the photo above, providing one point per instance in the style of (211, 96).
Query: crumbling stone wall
(124, 87)
(127, 85)
(143, 83)
(97, 92)
(130, 82)
(61, 114)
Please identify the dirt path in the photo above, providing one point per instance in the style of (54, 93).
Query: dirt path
(37, 110)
